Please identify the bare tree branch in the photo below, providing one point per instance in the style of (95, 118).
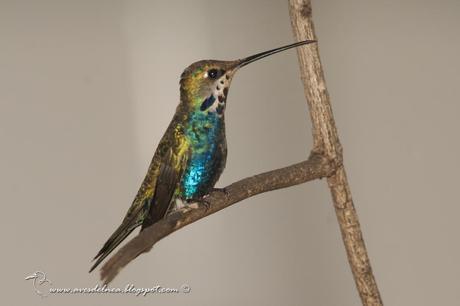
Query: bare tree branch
(326, 142)
(325, 161)
(314, 168)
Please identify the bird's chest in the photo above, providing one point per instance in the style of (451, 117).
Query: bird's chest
(207, 157)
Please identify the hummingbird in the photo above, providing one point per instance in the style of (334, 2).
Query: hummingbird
(192, 153)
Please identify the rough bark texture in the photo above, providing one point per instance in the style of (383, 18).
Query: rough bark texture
(326, 143)
(314, 168)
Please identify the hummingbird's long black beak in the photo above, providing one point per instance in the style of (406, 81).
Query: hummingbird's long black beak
(245, 61)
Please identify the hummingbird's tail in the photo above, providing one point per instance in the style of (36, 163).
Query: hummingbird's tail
(117, 237)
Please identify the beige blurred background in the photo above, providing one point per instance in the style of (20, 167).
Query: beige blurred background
(87, 88)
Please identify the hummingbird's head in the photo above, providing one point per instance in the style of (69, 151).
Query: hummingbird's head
(205, 84)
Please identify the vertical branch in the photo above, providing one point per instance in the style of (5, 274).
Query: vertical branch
(326, 142)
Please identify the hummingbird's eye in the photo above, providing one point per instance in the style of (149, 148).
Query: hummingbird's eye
(213, 73)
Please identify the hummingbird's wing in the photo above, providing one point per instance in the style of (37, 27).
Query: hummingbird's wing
(167, 182)
(155, 195)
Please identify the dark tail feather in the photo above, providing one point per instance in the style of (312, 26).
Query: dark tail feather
(117, 237)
